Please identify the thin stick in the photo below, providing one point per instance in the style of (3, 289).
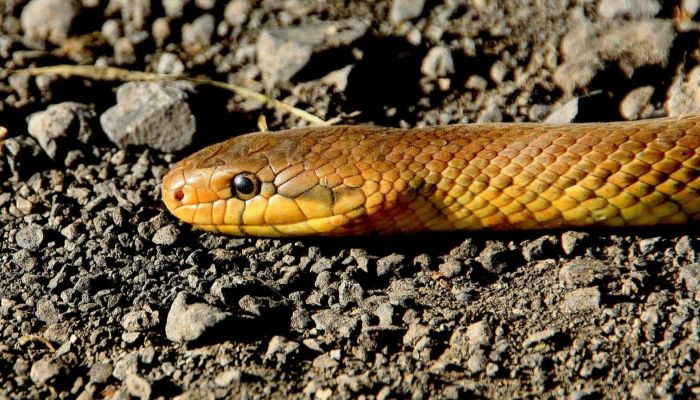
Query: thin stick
(120, 74)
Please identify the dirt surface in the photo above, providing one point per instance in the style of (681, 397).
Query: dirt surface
(103, 294)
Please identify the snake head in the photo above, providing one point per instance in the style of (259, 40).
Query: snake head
(289, 183)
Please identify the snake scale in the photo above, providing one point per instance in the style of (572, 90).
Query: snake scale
(352, 180)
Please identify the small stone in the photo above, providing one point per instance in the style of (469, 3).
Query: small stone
(188, 321)
(166, 235)
(634, 9)
(540, 337)
(402, 292)
(646, 246)
(43, 371)
(100, 372)
(226, 378)
(30, 237)
(199, 32)
(125, 366)
(450, 268)
(476, 363)
(583, 272)
(47, 312)
(153, 114)
(324, 361)
(390, 264)
(280, 350)
(160, 30)
(236, 12)
(572, 240)
(402, 10)
(130, 337)
(564, 114)
(580, 300)
(282, 52)
(124, 51)
(437, 62)
(637, 103)
(138, 387)
(496, 257)
(48, 19)
(59, 125)
(170, 64)
(479, 334)
(690, 276)
(140, 320)
(331, 321)
(350, 292)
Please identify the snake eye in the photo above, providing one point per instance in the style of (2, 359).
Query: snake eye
(245, 185)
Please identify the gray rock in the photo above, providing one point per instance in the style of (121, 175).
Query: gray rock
(140, 320)
(580, 300)
(30, 237)
(280, 350)
(166, 235)
(541, 247)
(690, 276)
(350, 292)
(199, 32)
(476, 363)
(124, 51)
(402, 10)
(48, 19)
(450, 268)
(646, 246)
(402, 292)
(437, 62)
(633, 9)
(100, 372)
(496, 257)
(564, 114)
(683, 96)
(637, 103)
(174, 8)
(582, 272)
(43, 371)
(390, 264)
(153, 114)
(540, 337)
(126, 366)
(328, 320)
(479, 334)
(59, 124)
(282, 52)
(236, 12)
(138, 387)
(632, 44)
(324, 361)
(572, 240)
(188, 321)
(160, 30)
(226, 378)
(47, 312)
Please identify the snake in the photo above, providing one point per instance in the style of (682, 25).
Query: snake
(355, 180)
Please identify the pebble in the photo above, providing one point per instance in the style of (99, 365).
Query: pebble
(564, 114)
(280, 350)
(170, 64)
(476, 363)
(637, 103)
(479, 334)
(350, 292)
(59, 124)
(583, 272)
(496, 257)
(124, 52)
(402, 292)
(632, 44)
(100, 372)
(402, 10)
(450, 268)
(572, 240)
(43, 371)
(282, 52)
(47, 312)
(188, 321)
(50, 20)
(126, 365)
(226, 378)
(437, 62)
(138, 387)
(140, 320)
(166, 235)
(329, 320)
(236, 12)
(633, 9)
(542, 336)
(199, 32)
(324, 361)
(690, 276)
(683, 96)
(153, 114)
(30, 237)
(582, 300)
(390, 264)
(160, 30)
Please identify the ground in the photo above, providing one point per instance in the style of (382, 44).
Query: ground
(104, 294)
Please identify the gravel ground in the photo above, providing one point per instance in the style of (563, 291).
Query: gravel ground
(105, 295)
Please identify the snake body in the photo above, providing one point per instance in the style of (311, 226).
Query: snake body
(351, 180)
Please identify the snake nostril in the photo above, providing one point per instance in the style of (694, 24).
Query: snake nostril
(179, 195)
